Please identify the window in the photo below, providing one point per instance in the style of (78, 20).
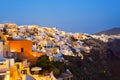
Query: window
(22, 50)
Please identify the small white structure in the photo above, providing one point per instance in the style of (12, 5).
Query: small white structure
(36, 69)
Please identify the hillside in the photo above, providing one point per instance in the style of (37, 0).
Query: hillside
(113, 31)
(87, 57)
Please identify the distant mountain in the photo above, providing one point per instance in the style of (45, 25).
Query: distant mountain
(113, 31)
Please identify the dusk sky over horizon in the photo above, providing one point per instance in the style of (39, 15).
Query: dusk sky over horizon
(88, 16)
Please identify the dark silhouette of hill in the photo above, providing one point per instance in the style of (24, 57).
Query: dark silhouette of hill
(114, 47)
(113, 58)
(113, 31)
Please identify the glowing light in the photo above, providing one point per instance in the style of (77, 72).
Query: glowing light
(13, 50)
(35, 55)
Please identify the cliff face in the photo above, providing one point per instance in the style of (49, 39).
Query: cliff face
(113, 58)
(102, 63)
(114, 47)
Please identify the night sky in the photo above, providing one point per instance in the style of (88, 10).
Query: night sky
(88, 16)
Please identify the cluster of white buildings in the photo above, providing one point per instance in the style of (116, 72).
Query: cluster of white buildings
(106, 38)
(20, 70)
(46, 39)
(53, 42)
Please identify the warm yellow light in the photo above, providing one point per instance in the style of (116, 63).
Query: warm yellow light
(7, 77)
(35, 55)
(13, 50)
